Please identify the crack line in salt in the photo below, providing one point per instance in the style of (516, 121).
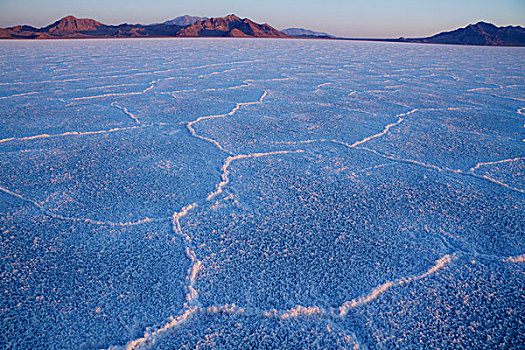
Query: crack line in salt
(19, 95)
(296, 312)
(226, 172)
(516, 259)
(79, 133)
(192, 304)
(189, 125)
(386, 129)
(125, 110)
(356, 144)
(127, 75)
(477, 166)
(318, 87)
(376, 292)
(80, 220)
(216, 73)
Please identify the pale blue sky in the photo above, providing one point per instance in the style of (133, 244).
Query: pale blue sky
(350, 18)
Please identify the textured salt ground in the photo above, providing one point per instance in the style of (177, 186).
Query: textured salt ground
(212, 156)
(82, 285)
(122, 177)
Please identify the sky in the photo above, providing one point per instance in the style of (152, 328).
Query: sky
(348, 18)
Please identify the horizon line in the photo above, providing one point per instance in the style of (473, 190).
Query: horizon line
(394, 37)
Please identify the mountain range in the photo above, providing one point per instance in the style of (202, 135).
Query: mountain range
(72, 28)
(232, 26)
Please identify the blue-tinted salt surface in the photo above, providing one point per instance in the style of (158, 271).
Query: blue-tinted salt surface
(271, 194)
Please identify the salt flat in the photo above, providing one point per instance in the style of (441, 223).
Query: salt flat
(224, 194)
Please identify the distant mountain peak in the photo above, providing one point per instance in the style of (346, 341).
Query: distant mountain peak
(482, 25)
(232, 17)
(71, 24)
(75, 20)
(185, 20)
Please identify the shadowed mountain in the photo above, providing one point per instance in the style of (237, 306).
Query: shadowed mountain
(71, 27)
(478, 34)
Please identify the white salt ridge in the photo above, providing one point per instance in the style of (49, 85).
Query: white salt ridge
(192, 295)
(14, 83)
(216, 73)
(302, 311)
(516, 259)
(245, 83)
(318, 87)
(522, 112)
(412, 161)
(192, 305)
(439, 169)
(19, 95)
(151, 85)
(149, 338)
(497, 182)
(496, 87)
(125, 110)
(124, 75)
(477, 166)
(371, 137)
(232, 112)
(480, 89)
(107, 95)
(296, 312)
(356, 145)
(108, 86)
(78, 133)
(385, 130)
(179, 215)
(80, 220)
(376, 292)
(381, 91)
(226, 172)
(403, 160)
(172, 93)
(222, 64)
